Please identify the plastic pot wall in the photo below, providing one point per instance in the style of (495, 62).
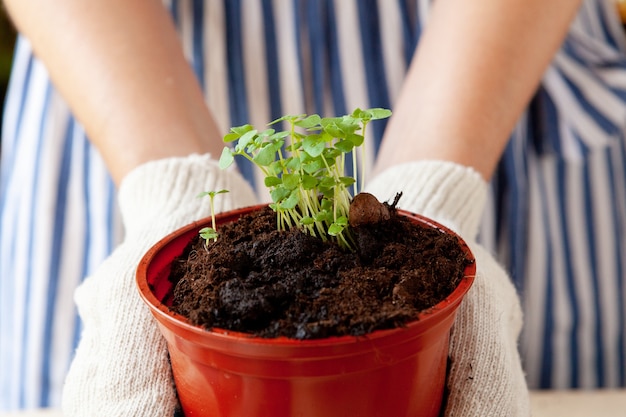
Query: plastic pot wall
(398, 372)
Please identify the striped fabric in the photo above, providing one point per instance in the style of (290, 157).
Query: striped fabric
(58, 221)
(557, 212)
(559, 207)
(324, 57)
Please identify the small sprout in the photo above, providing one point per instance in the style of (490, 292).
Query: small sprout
(210, 233)
(304, 168)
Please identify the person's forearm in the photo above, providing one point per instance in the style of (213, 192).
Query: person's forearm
(120, 66)
(476, 68)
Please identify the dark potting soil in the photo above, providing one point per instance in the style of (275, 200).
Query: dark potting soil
(258, 280)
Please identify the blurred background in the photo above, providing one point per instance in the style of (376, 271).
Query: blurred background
(7, 39)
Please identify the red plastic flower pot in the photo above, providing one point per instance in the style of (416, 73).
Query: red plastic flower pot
(220, 373)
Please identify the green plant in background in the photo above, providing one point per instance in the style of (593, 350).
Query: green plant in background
(304, 168)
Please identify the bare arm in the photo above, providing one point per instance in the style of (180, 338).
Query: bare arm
(475, 70)
(120, 66)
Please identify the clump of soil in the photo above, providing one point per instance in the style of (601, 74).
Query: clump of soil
(258, 280)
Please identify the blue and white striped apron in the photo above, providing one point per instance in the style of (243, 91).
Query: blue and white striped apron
(560, 210)
(556, 218)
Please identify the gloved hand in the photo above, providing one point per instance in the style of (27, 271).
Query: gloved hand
(121, 366)
(486, 377)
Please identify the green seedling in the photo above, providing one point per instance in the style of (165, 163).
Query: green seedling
(210, 233)
(304, 168)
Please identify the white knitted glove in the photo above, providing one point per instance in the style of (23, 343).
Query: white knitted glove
(486, 377)
(121, 366)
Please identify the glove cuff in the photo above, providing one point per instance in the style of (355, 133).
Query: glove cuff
(165, 192)
(451, 194)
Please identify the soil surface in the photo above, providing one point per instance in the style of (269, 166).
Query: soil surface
(258, 280)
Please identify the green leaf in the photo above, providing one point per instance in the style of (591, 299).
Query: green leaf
(245, 139)
(293, 164)
(308, 182)
(344, 146)
(328, 193)
(358, 113)
(226, 159)
(272, 181)
(342, 221)
(307, 220)
(327, 182)
(288, 117)
(313, 145)
(348, 125)
(331, 155)
(323, 216)
(278, 135)
(335, 229)
(356, 139)
(291, 201)
(378, 113)
(241, 130)
(267, 154)
(275, 168)
(231, 137)
(279, 193)
(333, 130)
(313, 166)
(329, 121)
(212, 193)
(309, 122)
(208, 233)
(291, 181)
(347, 181)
